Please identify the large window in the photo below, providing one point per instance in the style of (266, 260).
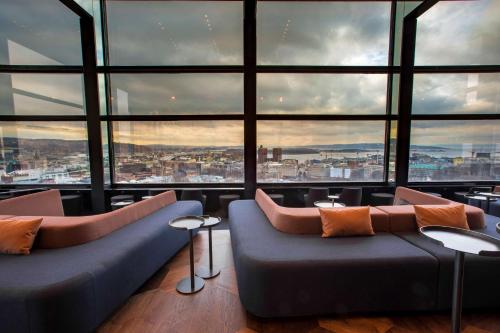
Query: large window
(301, 136)
(456, 110)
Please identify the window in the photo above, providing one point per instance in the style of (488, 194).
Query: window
(459, 33)
(456, 93)
(44, 153)
(321, 93)
(323, 33)
(41, 94)
(177, 94)
(313, 151)
(175, 32)
(471, 153)
(178, 151)
(39, 32)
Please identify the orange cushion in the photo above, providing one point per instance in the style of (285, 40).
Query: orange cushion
(17, 237)
(445, 215)
(351, 221)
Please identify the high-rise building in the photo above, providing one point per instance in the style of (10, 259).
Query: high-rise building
(262, 155)
(277, 154)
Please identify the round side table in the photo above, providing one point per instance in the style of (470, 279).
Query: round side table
(120, 204)
(203, 271)
(487, 197)
(461, 241)
(191, 284)
(328, 204)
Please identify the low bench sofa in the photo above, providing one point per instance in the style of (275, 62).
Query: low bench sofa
(284, 267)
(83, 268)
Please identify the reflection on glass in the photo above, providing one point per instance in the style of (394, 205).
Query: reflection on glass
(321, 93)
(178, 152)
(320, 151)
(459, 33)
(322, 33)
(44, 153)
(175, 32)
(39, 32)
(456, 93)
(41, 94)
(105, 152)
(455, 150)
(94, 9)
(177, 93)
(392, 151)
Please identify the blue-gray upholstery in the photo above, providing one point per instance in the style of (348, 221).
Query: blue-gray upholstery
(75, 289)
(481, 277)
(283, 274)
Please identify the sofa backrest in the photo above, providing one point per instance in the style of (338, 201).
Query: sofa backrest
(306, 220)
(64, 231)
(402, 216)
(46, 203)
(405, 195)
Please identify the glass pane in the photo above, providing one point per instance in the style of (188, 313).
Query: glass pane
(175, 32)
(459, 33)
(94, 9)
(320, 151)
(105, 152)
(178, 152)
(403, 8)
(323, 33)
(177, 93)
(392, 151)
(321, 93)
(39, 32)
(41, 94)
(455, 150)
(456, 93)
(44, 153)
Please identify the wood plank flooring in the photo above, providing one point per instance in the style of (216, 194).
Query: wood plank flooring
(157, 307)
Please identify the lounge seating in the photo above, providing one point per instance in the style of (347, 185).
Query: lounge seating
(351, 196)
(289, 274)
(74, 289)
(315, 194)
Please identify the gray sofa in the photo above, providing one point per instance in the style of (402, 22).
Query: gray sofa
(75, 289)
(281, 274)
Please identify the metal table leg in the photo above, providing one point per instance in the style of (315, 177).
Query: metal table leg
(458, 282)
(191, 284)
(208, 272)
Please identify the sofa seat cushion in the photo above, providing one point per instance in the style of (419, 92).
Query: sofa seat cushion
(402, 218)
(64, 231)
(74, 289)
(306, 220)
(282, 274)
(481, 273)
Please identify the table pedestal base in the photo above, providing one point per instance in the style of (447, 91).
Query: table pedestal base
(184, 286)
(458, 282)
(207, 272)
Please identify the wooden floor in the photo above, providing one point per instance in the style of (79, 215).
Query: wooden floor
(157, 307)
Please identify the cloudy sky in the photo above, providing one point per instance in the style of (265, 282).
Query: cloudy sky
(210, 33)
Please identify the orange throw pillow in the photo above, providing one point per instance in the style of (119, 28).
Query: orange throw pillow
(351, 221)
(444, 215)
(17, 237)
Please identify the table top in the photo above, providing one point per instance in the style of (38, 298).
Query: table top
(480, 197)
(489, 194)
(122, 203)
(147, 197)
(463, 240)
(210, 221)
(334, 196)
(383, 195)
(187, 222)
(327, 204)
